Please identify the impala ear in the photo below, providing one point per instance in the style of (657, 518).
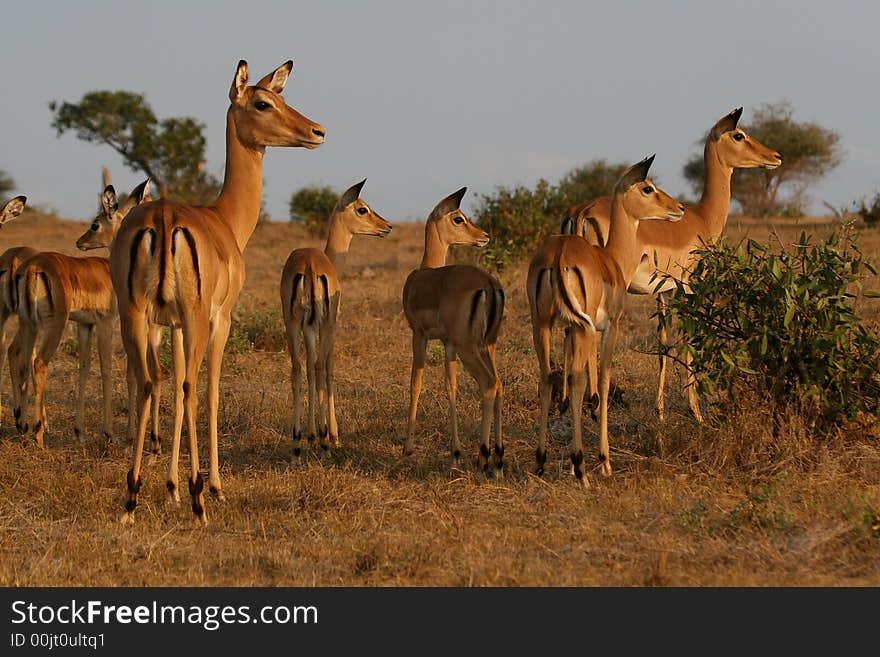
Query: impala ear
(449, 204)
(109, 202)
(635, 174)
(12, 208)
(239, 82)
(350, 195)
(725, 124)
(140, 192)
(276, 80)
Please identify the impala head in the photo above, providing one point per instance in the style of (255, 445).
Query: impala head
(12, 208)
(261, 116)
(642, 199)
(736, 148)
(358, 217)
(453, 226)
(103, 229)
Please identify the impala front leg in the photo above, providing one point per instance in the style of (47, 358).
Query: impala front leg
(582, 342)
(104, 330)
(419, 349)
(606, 352)
(216, 344)
(84, 346)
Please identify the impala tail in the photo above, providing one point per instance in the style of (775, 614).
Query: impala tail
(570, 288)
(310, 300)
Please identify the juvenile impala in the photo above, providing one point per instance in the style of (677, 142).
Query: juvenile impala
(672, 248)
(101, 234)
(584, 287)
(9, 261)
(462, 306)
(53, 288)
(181, 265)
(310, 295)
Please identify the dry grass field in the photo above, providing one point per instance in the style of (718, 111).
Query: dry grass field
(719, 505)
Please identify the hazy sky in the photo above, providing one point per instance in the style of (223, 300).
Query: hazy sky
(424, 97)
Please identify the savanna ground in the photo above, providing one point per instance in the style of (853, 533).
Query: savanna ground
(731, 503)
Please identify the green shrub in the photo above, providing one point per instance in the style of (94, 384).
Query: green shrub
(869, 211)
(519, 218)
(256, 331)
(312, 206)
(783, 324)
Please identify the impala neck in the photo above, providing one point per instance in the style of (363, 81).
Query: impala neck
(623, 244)
(242, 193)
(338, 242)
(435, 248)
(714, 204)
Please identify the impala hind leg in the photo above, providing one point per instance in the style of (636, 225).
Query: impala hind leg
(321, 389)
(310, 338)
(294, 337)
(583, 344)
(179, 363)
(420, 351)
(84, 346)
(156, 375)
(480, 365)
(328, 339)
(17, 370)
(194, 344)
(49, 345)
(498, 448)
(451, 378)
(541, 338)
(606, 352)
(135, 339)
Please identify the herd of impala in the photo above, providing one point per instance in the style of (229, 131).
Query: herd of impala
(180, 266)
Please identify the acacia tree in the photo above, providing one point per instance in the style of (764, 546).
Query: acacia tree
(808, 150)
(170, 151)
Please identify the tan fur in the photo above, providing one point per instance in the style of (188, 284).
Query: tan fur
(180, 265)
(310, 296)
(583, 287)
(9, 262)
(463, 307)
(671, 248)
(52, 288)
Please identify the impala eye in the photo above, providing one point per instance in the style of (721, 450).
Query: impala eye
(262, 105)
(647, 189)
(739, 136)
(95, 227)
(458, 220)
(362, 210)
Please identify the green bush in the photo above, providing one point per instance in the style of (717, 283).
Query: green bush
(869, 211)
(519, 218)
(782, 323)
(256, 331)
(312, 206)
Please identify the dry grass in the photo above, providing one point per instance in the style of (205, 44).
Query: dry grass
(733, 504)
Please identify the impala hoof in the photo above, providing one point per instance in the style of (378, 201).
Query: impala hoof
(217, 494)
(127, 518)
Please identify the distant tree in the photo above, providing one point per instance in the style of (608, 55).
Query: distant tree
(809, 152)
(170, 151)
(312, 206)
(7, 184)
(594, 179)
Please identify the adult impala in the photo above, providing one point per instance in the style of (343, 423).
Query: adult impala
(181, 265)
(584, 287)
(462, 306)
(101, 234)
(9, 261)
(727, 147)
(53, 288)
(310, 294)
